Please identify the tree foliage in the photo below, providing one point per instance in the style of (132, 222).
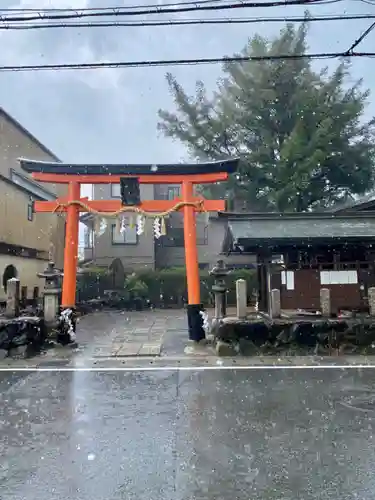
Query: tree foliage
(300, 134)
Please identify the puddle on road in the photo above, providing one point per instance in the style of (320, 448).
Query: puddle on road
(363, 403)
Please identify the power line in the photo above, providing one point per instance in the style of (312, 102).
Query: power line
(128, 7)
(162, 10)
(109, 9)
(361, 38)
(180, 62)
(184, 22)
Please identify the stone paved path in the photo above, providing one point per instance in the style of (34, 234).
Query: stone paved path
(134, 334)
(133, 340)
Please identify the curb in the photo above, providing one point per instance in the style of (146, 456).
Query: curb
(193, 360)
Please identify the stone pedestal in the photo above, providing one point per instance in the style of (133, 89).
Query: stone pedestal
(241, 298)
(325, 301)
(13, 298)
(371, 300)
(195, 322)
(275, 303)
(67, 327)
(51, 307)
(219, 294)
(219, 272)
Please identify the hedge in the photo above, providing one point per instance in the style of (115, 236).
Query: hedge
(92, 283)
(163, 288)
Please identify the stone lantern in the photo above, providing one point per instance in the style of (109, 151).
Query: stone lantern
(219, 288)
(52, 289)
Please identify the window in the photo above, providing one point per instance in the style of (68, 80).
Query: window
(173, 192)
(287, 279)
(203, 266)
(174, 238)
(115, 191)
(339, 277)
(30, 210)
(203, 240)
(88, 238)
(128, 237)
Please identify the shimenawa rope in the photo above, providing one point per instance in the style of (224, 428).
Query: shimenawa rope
(196, 204)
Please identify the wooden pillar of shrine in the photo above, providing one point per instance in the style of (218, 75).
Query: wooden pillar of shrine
(71, 248)
(194, 308)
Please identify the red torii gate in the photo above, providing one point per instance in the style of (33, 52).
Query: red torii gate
(185, 174)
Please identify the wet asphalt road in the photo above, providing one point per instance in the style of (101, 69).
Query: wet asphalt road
(224, 434)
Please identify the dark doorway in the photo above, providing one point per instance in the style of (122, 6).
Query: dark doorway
(9, 273)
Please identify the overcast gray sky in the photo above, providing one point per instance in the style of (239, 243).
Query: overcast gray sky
(110, 115)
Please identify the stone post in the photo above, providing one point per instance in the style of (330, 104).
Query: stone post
(269, 291)
(23, 300)
(371, 300)
(219, 288)
(51, 296)
(241, 298)
(325, 301)
(13, 298)
(275, 303)
(35, 296)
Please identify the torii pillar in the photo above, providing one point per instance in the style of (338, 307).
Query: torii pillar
(187, 175)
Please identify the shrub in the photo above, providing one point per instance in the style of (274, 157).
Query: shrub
(92, 282)
(135, 287)
(167, 287)
(164, 287)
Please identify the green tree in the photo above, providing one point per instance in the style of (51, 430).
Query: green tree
(300, 134)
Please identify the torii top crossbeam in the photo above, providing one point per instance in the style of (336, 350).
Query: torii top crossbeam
(185, 174)
(62, 173)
